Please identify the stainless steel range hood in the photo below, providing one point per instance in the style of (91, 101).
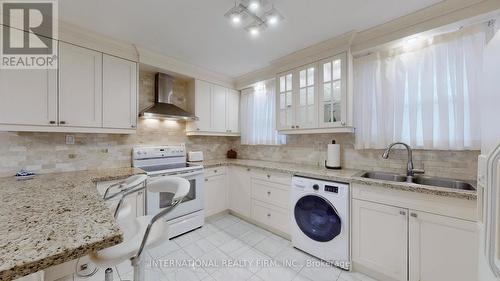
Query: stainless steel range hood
(163, 107)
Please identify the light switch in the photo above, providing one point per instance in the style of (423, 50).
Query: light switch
(70, 139)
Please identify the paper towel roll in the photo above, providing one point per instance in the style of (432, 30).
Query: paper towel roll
(333, 156)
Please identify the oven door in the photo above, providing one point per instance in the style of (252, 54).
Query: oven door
(193, 201)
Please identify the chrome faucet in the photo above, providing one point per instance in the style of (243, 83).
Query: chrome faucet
(410, 171)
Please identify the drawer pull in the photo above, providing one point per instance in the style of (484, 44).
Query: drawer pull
(215, 171)
(268, 215)
(248, 169)
(269, 193)
(268, 176)
(52, 122)
(403, 213)
(206, 179)
(414, 215)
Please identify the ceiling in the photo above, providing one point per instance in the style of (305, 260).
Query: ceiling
(196, 32)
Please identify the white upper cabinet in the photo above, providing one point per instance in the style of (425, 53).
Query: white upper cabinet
(80, 86)
(217, 109)
(119, 93)
(333, 92)
(203, 105)
(28, 97)
(219, 121)
(285, 102)
(306, 109)
(90, 92)
(232, 111)
(314, 98)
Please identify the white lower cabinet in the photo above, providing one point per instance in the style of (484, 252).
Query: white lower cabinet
(395, 243)
(442, 248)
(379, 238)
(271, 200)
(215, 191)
(240, 191)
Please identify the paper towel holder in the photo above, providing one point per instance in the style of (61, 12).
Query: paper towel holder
(329, 167)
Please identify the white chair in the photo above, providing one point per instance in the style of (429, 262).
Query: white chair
(142, 232)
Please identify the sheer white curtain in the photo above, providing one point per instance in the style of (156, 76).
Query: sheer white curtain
(425, 95)
(258, 115)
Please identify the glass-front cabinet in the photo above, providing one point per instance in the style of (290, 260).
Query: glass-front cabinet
(333, 92)
(306, 110)
(285, 102)
(313, 98)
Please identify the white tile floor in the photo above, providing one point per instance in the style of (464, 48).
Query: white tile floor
(262, 256)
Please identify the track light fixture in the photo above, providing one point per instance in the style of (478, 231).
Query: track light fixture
(252, 14)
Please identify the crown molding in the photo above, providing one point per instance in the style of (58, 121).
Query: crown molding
(440, 14)
(159, 62)
(73, 34)
(149, 60)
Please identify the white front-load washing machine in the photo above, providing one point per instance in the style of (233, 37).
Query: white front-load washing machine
(320, 219)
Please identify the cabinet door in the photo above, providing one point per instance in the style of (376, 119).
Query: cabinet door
(442, 248)
(119, 86)
(28, 97)
(285, 103)
(218, 109)
(306, 106)
(215, 194)
(240, 191)
(233, 111)
(80, 86)
(379, 234)
(203, 105)
(333, 91)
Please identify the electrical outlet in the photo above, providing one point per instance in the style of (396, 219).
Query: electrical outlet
(70, 139)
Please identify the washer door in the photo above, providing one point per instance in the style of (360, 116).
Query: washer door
(317, 218)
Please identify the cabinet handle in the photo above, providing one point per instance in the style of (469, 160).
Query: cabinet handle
(403, 213)
(206, 179)
(139, 193)
(268, 176)
(215, 171)
(132, 126)
(248, 169)
(269, 193)
(230, 131)
(197, 129)
(293, 127)
(62, 122)
(297, 127)
(52, 122)
(342, 123)
(268, 215)
(414, 215)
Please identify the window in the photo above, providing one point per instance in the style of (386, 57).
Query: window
(424, 93)
(258, 115)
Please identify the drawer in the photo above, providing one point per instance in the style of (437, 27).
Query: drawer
(216, 171)
(280, 178)
(272, 193)
(271, 216)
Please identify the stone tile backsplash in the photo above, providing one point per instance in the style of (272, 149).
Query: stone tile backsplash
(311, 149)
(47, 152)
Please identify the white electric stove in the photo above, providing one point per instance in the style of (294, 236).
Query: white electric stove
(170, 160)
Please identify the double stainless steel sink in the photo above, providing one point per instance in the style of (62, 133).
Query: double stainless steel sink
(420, 179)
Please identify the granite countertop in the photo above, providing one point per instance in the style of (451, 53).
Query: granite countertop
(54, 218)
(343, 175)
